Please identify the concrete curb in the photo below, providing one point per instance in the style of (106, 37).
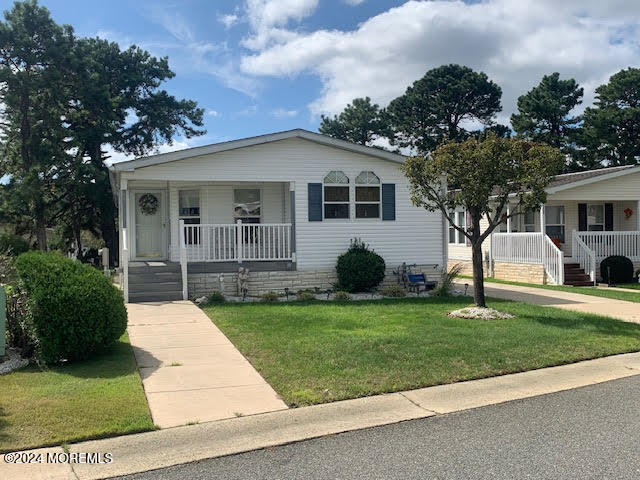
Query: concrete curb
(173, 446)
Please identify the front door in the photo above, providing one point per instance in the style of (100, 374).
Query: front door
(150, 215)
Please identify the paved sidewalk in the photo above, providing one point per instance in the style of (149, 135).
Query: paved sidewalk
(627, 311)
(173, 446)
(190, 371)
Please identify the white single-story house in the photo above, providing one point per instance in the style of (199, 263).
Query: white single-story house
(283, 205)
(588, 216)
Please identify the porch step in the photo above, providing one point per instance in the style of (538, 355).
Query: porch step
(154, 282)
(576, 276)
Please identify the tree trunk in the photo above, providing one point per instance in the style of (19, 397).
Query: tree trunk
(106, 204)
(478, 275)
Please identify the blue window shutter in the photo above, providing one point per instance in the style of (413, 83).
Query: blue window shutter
(315, 201)
(388, 201)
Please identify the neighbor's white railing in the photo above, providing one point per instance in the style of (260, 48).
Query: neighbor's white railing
(237, 242)
(517, 247)
(125, 265)
(584, 256)
(605, 244)
(553, 260)
(529, 247)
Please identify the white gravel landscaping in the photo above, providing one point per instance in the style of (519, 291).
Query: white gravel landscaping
(480, 313)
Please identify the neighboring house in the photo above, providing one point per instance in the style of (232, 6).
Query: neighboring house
(283, 205)
(588, 217)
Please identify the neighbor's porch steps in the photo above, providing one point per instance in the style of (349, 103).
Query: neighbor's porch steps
(154, 281)
(576, 276)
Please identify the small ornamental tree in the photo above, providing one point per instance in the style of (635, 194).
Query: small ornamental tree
(482, 174)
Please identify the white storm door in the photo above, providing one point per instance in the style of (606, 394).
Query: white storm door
(151, 235)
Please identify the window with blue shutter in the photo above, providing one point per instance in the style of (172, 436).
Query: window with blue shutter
(388, 201)
(314, 192)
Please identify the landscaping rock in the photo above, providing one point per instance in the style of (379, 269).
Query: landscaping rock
(480, 313)
(13, 361)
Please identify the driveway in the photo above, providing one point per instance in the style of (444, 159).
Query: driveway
(190, 371)
(627, 311)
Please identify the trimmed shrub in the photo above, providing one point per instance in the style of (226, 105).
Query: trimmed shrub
(621, 269)
(395, 291)
(342, 296)
(74, 310)
(359, 269)
(306, 296)
(270, 296)
(13, 244)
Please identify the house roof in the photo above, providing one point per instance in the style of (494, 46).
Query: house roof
(252, 141)
(571, 180)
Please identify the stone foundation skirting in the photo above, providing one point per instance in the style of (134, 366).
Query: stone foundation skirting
(258, 283)
(514, 272)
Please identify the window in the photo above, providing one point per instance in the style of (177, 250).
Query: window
(455, 236)
(595, 218)
(367, 195)
(247, 205)
(529, 221)
(336, 195)
(555, 222)
(189, 211)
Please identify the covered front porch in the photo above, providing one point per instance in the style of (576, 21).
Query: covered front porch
(204, 227)
(570, 234)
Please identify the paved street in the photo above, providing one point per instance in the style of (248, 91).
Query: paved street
(586, 433)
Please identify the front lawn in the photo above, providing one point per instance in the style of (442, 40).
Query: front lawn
(88, 399)
(321, 352)
(593, 291)
(634, 285)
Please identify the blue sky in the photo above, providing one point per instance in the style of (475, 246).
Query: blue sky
(258, 66)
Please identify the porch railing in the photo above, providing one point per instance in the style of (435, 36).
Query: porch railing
(529, 247)
(605, 244)
(585, 257)
(237, 242)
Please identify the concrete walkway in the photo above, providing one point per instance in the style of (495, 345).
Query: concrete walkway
(173, 446)
(627, 311)
(190, 371)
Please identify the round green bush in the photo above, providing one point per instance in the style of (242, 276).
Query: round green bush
(74, 310)
(359, 269)
(13, 245)
(621, 269)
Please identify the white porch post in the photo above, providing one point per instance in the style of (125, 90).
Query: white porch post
(638, 216)
(508, 218)
(542, 232)
(183, 261)
(124, 238)
(292, 220)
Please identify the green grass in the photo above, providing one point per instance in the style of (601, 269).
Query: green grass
(320, 352)
(593, 291)
(634, 286)
(95, 398)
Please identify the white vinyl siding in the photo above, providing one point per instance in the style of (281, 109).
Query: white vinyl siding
(415, 236)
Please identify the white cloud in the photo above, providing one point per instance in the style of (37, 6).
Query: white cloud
(228, 20)
(213, 113)
(353, 3)
(187, 53)
(515, 43)
(281, 113)
(268, 17)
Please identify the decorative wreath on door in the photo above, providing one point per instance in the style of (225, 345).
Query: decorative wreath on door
(148, 204)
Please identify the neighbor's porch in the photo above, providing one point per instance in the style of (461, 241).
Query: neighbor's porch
(576, 233)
